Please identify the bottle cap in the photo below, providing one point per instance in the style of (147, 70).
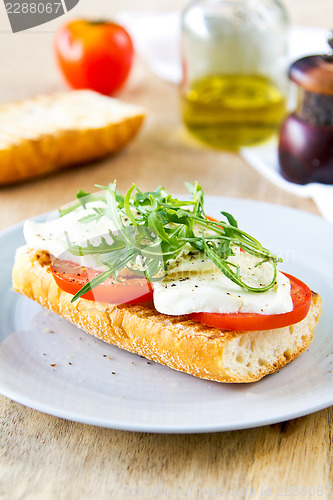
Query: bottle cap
(314, 73)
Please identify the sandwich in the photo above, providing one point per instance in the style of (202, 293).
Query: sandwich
(157, 276)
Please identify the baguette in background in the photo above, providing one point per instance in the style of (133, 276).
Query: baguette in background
(51, 132)
(175, 341)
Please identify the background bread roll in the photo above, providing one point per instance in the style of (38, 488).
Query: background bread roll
(46, 133)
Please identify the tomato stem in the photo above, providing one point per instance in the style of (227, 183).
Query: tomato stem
(98, 22)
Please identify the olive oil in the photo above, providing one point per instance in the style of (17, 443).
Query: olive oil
(231, 111)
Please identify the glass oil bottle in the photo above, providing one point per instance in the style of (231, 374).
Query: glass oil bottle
(234, 55)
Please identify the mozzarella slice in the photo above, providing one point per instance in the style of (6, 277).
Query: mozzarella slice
(195, 284)
(52, 236)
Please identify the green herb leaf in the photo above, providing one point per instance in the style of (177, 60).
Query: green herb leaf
(160, 227)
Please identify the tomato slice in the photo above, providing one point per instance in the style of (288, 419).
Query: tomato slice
(130, 289)
(301, 297)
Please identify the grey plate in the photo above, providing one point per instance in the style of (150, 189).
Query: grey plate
(96, 383)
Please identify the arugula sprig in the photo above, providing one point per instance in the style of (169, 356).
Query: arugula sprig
(157, 229)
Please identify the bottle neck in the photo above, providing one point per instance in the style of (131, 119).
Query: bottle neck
(314, 108)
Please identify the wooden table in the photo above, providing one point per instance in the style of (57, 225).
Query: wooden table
(44, 457)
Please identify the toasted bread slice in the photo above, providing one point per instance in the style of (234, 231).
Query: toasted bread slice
(50, 132)
(174, 341)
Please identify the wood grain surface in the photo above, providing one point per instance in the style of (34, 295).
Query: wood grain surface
(44, 457)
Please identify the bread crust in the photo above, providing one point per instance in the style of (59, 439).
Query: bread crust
(47, 133)
(175, 341)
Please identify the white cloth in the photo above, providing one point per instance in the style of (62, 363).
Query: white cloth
(265, 160)
(157, 39)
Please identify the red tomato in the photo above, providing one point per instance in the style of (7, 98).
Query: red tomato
(131, 289)
(300, 294)
(94, 55)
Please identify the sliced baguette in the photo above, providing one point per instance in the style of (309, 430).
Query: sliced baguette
(174, 341)
(46, 133)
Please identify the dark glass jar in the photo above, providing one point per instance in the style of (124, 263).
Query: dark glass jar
(306, 136)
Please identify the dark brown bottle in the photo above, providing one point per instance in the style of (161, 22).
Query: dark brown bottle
(306, 136)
